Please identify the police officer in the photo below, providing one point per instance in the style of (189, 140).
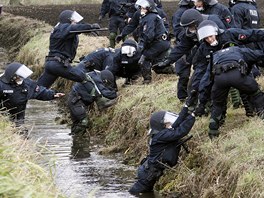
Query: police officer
(166, 133)
(117, 15)
(245, 13)
(16, 89)
(98, 88)
(213, 7)
(230, 69)
(153, 39)
(187, 45)
(219, 39)
(62, 49)
(100, 59)
(133, 25)
(125, 61)
(246, 16)
(178, 30)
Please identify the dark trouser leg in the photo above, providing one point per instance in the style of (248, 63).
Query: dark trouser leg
(78, 114)
(54, 69)
(183, 70)
(219, 97)
(257, 99)
(147, 177)
(146, 72)
(247, 105)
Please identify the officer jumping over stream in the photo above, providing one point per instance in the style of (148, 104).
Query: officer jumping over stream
(62, 50)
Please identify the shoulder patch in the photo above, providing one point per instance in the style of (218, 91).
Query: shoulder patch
(242, 37)
(228, 19)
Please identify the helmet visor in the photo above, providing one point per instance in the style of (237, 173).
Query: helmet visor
(170, 117)
(76, 17)
(142, 4)
(23, 71)
(128, 50)
(206, 31)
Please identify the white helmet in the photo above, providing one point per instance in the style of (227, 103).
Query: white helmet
(207, 28)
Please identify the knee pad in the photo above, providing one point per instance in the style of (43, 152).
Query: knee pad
(112, 35)
(80, 127)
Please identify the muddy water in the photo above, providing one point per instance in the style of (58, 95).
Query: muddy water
(78, 173)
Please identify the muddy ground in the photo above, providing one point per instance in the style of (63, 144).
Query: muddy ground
(90, 12)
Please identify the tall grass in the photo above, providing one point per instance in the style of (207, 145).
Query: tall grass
(20, 174)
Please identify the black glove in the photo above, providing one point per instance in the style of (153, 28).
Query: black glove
(164, 63)
(141, 60)
(95, 26)
(192, 99)
(119, 38)
(200, 110)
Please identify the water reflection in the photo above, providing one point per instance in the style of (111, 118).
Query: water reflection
(80, 171)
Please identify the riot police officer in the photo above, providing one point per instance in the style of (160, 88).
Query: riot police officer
(125, 61)
(230, 69)
(167, 130)
(133, 25)
(245, 13)
(153, 39)
(117, 15)
(16, 89)
(213, 7)
(62, 50)
(219, 39)
(178, 30)
(100, 59)
(98, 88)
(190, 20)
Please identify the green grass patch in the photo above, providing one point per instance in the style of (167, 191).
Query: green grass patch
(20, 174)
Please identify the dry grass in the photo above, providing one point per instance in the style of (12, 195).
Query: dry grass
(20, 176)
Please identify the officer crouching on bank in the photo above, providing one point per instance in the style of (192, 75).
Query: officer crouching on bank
(166, 131)
(16, 89)
(99, 88)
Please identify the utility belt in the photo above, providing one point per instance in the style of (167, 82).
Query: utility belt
(222, 68)
(65, 61)
(163, 37)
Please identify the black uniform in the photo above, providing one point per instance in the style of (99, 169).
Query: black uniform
(230, 70)
(132, 26)
(246, 15)
(84, 94)
(117, 15)
(62, 50)
(222, 11)
(231, 36)
(99, 60)
(14, 97)
(153, 42)
(187, 46)
(164, 148)
(124, 66)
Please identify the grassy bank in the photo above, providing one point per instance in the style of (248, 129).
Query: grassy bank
(20, 174)
(231, 166)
